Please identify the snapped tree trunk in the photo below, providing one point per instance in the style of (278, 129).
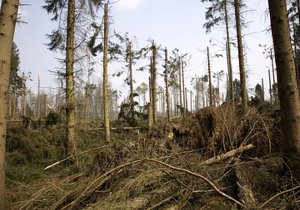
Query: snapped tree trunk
(70, 106)
(241, 55)
(8, 19)
(105, 76)
(287, 85)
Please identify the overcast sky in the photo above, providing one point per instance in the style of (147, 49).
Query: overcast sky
(171, 23)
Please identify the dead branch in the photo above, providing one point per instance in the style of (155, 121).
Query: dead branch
(277, 195)
(226, 155)
(81, 153)
(98, 182)
(200, 176)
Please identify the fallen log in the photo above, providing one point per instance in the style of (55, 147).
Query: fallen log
(226, 155)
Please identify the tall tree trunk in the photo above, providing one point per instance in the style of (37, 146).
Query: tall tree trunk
(167, 86)
(228, 53)
(241, 55)
(105, 76)
(70, 109)
(154, 92)
(8, 19)
(209, 80)
(288, 93)
(38, 103)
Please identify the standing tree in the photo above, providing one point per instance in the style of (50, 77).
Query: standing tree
(287, 85)
(63, 39)
(105, 75)
(216, 13)
(237, 6)
(8, 19)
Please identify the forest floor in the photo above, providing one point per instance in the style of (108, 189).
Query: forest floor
(216, 158)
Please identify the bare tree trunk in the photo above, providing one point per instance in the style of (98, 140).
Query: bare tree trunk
(105, 76)
(150, 110)
(287, 83)
(228, 53)
(46, 106)
(8, 18)
(167, 85)
(70, 106)
(154, 94)
(241, 55)
(209, 80)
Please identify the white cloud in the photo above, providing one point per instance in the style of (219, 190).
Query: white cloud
(128, 4)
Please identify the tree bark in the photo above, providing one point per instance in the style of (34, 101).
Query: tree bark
(287, 85)
(70, 108)
(241, 55)
(8, 19)
(105, 76)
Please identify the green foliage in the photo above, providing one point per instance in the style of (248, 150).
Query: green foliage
(54, 7)
(52, 119)
(57, 41)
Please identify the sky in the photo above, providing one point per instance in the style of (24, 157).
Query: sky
(171, 23)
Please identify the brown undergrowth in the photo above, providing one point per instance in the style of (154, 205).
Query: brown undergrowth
(163, 171)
